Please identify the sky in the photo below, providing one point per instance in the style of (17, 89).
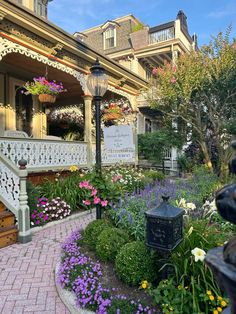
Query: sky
(204, 17)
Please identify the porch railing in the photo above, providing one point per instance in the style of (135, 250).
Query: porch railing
(46, 154)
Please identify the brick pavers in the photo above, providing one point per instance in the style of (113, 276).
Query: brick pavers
(27, 282)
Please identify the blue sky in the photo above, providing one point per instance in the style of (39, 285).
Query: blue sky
(205, 17)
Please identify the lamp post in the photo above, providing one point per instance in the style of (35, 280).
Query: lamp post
(97, 84)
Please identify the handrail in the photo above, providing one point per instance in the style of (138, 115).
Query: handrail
(29, 139)
(10, 164)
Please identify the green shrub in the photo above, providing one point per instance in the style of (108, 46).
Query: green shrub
(154, 175)
(33, 195)
(134, 264)
(110, 242)
(93, 230)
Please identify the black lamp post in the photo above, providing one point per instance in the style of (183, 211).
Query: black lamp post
(97, 84)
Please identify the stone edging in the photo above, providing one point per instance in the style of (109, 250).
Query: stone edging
(57, 222)
(68, 297)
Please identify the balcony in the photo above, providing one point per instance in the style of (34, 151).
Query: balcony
(162, 35)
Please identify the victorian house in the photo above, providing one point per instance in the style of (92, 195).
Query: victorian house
(140, 48)
(31, 46)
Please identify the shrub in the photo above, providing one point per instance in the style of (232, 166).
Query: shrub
(93, 230)
(154, 175)
(110, 242)
(134, 263)
(33, 193)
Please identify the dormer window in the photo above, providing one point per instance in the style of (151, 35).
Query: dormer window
(41, 7)
(109, 37)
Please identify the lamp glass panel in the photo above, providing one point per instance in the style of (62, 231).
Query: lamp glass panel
(97, 84)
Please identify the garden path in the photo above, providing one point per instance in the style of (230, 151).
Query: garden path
(27, 271)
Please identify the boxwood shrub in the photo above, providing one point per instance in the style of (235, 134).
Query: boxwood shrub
(93, 230)
(110, 242)
(134, 264)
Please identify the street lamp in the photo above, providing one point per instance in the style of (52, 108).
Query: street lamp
(97, 84)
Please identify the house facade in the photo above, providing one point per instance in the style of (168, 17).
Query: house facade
(31, 46)
(141, 48)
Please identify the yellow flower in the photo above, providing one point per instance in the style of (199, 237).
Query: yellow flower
(219, 298)
(219, 309)
(171, 308)
(223, 303)
(211, 297)
(73, 168)
(144, 284)
(215, 312)
(209, 292)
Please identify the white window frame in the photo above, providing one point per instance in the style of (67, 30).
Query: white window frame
(108, 29)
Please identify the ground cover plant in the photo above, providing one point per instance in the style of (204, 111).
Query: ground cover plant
(82, 275)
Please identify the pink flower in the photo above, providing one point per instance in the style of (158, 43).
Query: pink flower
(104, 203)
(173, 80)
(96, 200)
(84, 184)
(116, 178)
(94, 192)
(154, 71)
(87, 202)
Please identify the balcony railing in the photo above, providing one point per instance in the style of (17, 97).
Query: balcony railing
(163, 35)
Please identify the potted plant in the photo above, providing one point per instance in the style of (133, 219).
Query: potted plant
(46, 90)
(115, 109)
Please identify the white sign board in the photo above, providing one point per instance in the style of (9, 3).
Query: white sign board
(118, 137)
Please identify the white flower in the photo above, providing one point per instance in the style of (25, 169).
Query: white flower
(198, 254)
(191, 206)
(181, 203)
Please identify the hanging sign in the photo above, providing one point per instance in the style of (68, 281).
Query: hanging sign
(119, 137)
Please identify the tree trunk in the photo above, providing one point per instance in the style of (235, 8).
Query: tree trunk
(205, 152)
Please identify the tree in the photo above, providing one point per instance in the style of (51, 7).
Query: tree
(200, 89)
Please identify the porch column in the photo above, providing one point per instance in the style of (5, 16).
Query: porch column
(88, 125)
(10, 121)
(2, 119)
(134, 106)
(39, 120)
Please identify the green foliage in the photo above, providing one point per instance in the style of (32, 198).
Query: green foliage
(134, 264)
(152, 146)
(109, 243)
(66, 188)
(33, 193)
(200, 90)
(106, 190)
(137, 27)
(93, 230)
(201, 185)
(184, 163)
(154, 175)
(129, 215)
(124, 306)
(195, 274)
(172, 299)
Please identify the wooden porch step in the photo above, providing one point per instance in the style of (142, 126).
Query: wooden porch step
(7, 219)
(2, 207)
(8, 236)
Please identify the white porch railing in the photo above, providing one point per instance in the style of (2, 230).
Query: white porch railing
(46, 154)
(162, 35)
(9, 185)
(13, 194)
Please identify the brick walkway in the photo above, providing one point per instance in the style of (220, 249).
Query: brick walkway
(27, 271)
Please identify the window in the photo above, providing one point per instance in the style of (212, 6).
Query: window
(110, 38)
(148, 126)
(40, 8)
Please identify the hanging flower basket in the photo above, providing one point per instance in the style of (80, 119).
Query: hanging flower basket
(112, 116)
(47, 98)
